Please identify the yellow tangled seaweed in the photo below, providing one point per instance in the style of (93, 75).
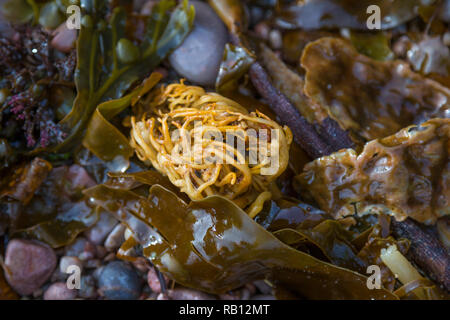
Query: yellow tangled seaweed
(212, 166)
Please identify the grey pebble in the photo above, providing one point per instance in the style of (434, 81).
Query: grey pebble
(88, 288)
(67, 261)
(60, 291)
(115, 238)
(198, 58)
(119, 281)
(445, 11)
(188, 294)
(101, 229)
(81, 248)
(153, 280)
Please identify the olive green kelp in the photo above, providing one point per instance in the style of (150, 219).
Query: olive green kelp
(406, 175)
(213, 245)
(110, 63)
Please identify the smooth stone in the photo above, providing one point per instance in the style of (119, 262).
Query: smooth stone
(153, 280)
(198, 58)
(188, 294)
(88, 288)
(30, 265)
(445, 11)
(115, 238)
(59, 291)
(119, 281)
(81, 248)
(98, 233)
(64, 39)
(66, 261)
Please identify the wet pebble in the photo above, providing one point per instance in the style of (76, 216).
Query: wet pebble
(64, 38)
(263, 287)
(446, 38)
(79, 177)
(153, 280)
(162, 296)
(141, 264)
(146, 8)
(81, 248)
(68, 261)
(101, 229)
(88, 288)
(59, 291)
(93, 264)
(188, 294)
(262, 30)
(115, 238)
(6, 30)
(119, 281)
(275, 39)
(198, 57)
(101, 252)
(30, 265)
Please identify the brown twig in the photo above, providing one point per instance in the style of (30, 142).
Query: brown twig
(426, 251)
(334, 135)
(304, 133)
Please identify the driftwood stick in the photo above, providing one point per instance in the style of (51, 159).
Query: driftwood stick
(303, 131)
(336, 137)
(426, 251)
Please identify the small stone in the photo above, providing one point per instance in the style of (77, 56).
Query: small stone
(445, 11)
(401, 46)
(101, 229)
(153, 280)
(97, 272)
(146, 9)
(79, 177)
(119, 281)
(263, 287)
(87, 288)
(275, 39)
(188, 294)
(162, 296)
(93, 264)
(115, 238)
(198, 58)
(59, 291)
(229, 296)
(29, 264)
(81, 248)
(101, 252)
(67, 261)
(141, 264)
(446, 38)
(262, 30)
(245, 294)
(256, 14)
(64, 38)
(110, 257)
